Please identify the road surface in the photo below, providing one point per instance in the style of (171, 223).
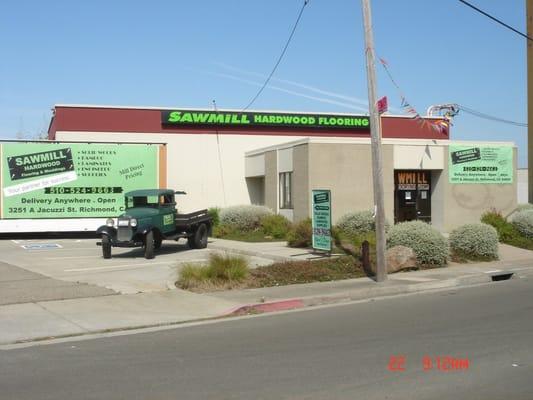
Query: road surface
(354, 351)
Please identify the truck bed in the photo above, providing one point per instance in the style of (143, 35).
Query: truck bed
(185, 222)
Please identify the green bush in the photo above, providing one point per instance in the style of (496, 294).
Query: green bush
(275, 225)
(428, 243)
(523, 221)
(475, 242)
(358, 223)
(507, 232)
(221, 269)
(300, 234)
(245, 218)
(214, 214)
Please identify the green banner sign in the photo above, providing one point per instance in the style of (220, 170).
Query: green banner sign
(481, 164)
(255, 119)
(73, 180)
(321, 203)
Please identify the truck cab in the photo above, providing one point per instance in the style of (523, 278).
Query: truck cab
(150, 217)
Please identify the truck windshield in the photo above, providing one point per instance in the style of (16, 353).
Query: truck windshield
(141, 201)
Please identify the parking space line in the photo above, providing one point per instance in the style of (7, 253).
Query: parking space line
(70, 257)
(113, 266)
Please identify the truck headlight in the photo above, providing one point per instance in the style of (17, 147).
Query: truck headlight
(133, 222)
(110, 222)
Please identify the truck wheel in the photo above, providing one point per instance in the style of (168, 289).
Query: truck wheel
(106, 246)
(190, 242)
(149, 245)
(200, 237)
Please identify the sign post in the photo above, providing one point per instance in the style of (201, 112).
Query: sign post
(321, 204)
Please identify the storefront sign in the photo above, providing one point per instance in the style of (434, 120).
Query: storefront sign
(41, 180)
(321, 202)
(408, 180)
(255, 119)
(481, 164)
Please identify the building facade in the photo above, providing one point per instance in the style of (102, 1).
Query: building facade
(229, 157)
(420, 178)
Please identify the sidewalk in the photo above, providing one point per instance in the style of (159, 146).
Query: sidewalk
(52, 319)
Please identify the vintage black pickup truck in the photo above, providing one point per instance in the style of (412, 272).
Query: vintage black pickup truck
(150, 218)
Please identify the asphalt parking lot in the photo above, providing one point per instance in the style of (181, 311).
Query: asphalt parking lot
(80, 260)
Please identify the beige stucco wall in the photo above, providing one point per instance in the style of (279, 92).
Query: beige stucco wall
(346, 169)
(271, 180)
(300, 179)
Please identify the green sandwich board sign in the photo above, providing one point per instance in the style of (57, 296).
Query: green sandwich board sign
(481, 164)
(265, 119)
(321, 205)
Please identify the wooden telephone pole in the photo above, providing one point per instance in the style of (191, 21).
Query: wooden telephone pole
(375, 139)
(529, 56)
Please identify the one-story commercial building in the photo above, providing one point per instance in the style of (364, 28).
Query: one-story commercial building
(229, 157)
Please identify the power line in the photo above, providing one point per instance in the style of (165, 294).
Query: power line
(220, 158)
(495, 19)
(479, 114)
(280, 57)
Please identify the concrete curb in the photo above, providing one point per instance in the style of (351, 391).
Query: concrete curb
(360, 294)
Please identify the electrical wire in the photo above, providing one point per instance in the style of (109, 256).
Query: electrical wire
(279, 58)
(495, 19)
(479, 114)
(220, 158)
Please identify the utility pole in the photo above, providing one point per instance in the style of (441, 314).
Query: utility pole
(375, 139)
(529, 57)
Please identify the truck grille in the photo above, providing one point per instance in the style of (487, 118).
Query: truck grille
(124, 233)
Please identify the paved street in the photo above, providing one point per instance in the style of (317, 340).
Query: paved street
(341, 352)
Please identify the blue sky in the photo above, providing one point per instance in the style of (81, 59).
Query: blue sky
(185, 54)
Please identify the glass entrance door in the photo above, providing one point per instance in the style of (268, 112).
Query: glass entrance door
(412, 196)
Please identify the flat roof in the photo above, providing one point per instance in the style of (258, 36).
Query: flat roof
(399, 142)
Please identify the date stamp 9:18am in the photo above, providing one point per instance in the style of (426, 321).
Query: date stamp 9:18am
(397, 363)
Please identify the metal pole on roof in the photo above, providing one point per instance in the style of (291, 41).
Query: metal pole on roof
(375, 140)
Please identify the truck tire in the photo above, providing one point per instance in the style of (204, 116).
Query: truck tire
(106, 246)
(200, 237)
(149, 245)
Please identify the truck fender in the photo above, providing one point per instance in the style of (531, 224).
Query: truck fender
(106, 230)
(143, 230)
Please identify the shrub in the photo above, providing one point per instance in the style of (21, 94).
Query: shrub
(525, 206)
(276, 226)
(523, 222)
(300, 234)
(475, 241)
(214, 214)
(220, 270)
(428, 243)
(246, 217)
(358, 223)
(507, 232)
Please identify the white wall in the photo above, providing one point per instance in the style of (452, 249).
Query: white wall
(193, 163)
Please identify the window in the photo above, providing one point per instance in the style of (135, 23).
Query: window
(285, 190)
